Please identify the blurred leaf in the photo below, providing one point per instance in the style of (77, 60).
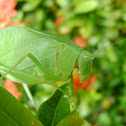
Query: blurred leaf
(48, 3)
(111, 54)
(21, 0)
(124, 77)
(86, 6)
(30, 5)
(64, 29)
(108, 22)
(75, 22)
(64, 3)
(73, 120)
(55, 108)
(40, 15)
(50, 25)
(87, 29)
(12, 113)
(20, 15)
(104, 119)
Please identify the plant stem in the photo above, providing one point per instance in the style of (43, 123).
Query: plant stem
(28, 92)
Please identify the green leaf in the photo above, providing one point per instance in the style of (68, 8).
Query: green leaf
(21, 0)
(64, 3)
(12, 112)
(73, 120)
(55, 108)
(86, 6)
(30, 5)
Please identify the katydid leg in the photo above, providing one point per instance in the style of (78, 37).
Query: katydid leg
(43, 70)
(21, 59)
(37, 63)
(28, 92)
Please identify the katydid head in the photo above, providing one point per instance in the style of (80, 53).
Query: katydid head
(85, 61)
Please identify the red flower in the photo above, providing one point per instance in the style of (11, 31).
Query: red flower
(11, 87)
(59, 20)
(95, 125)
(86, 85)
(7, 11)
(81, 41)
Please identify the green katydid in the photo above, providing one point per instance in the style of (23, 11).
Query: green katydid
(32, 57)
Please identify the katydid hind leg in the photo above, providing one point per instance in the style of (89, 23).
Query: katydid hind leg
(18, 62)
(43, 70)
(40, 66)
(43, 59)
(37, 63)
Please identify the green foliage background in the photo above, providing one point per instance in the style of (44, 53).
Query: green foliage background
(97, 21)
